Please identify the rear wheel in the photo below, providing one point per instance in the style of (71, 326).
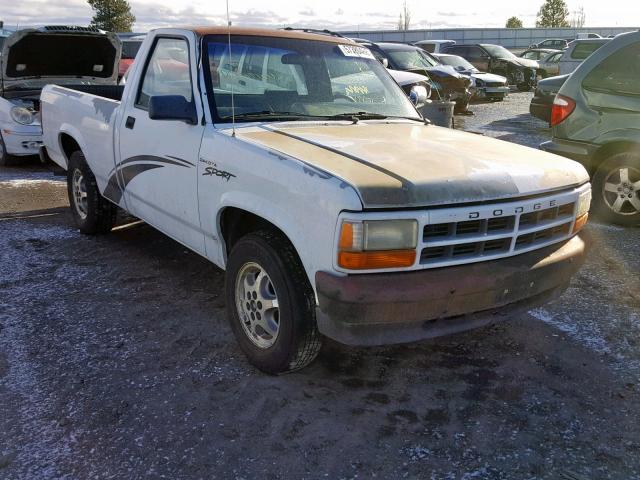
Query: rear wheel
(270, 303)
(616, 186)
(91, 211)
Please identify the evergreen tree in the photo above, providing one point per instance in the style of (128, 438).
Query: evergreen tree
(553, 13)
(112, 15)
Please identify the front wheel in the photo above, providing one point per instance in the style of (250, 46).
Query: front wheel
(91, 211)
(6, 160)
(270, 303)
(616, 187)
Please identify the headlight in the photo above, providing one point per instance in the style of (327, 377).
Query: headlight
(582, 212)
(375, 244)
(584, 202)
(22, 115)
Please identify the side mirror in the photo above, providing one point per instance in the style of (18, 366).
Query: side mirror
(419, 95)
(172, 107)
(385, 62)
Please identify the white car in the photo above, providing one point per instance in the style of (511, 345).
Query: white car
(32, 58)
(294, 162)
(484, 85)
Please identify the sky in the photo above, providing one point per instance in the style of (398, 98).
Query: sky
(332, 14)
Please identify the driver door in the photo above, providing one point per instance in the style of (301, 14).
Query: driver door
(159, 158)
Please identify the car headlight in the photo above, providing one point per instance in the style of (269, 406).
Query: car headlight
(582, 212)
(22, 115)
(375, 244)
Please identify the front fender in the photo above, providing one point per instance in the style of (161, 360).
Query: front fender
(271, 212)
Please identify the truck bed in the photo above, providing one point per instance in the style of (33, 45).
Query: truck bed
(82, 114)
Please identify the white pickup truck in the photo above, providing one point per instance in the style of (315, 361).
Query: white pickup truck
(294, 162)
(82, 57)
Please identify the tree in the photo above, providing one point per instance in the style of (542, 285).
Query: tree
(514, 22)
(112, 15)
(404, 21)
(553, 13)
(578, 18)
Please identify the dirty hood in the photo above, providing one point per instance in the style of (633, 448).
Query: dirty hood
(413, 165)
(35, 57)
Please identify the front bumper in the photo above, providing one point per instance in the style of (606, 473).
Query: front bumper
(399, 307)
(483, 92)
(22, 139)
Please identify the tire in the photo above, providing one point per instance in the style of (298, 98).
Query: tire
(616, 189)
(292, 340)
(92, 213)
(6, 160)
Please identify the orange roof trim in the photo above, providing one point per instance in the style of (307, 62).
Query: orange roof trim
(267, 32)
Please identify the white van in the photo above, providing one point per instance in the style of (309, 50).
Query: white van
(577, 51)
(435, 46)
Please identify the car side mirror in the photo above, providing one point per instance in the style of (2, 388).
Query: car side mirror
(172, 107)
(419, 95)
(385, 62)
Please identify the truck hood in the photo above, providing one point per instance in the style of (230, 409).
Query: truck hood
(35, 57)
(398, 164)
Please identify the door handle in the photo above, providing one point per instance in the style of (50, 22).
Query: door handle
(242, 82)
(130, 122)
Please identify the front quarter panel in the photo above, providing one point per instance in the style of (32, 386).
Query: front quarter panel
(302, 201)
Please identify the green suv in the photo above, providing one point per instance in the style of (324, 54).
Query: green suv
(596, 121)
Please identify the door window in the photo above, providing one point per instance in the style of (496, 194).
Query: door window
(167, 72)
(582, 50)
(618, 73)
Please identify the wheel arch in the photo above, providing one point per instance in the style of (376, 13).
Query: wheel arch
(611, 148)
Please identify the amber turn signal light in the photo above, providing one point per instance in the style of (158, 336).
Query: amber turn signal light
(581, 221)
(374, 260)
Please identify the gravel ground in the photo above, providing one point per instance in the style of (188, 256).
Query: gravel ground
(116, 362)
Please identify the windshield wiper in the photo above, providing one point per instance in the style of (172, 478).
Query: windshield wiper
(270, 114)
(355, 116)
(350, 116)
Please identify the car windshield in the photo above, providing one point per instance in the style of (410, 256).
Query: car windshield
(411, 59)
(456, 61)
(498, 51)
(281, 78)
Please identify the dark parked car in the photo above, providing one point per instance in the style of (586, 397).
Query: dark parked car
(496, 59)
(596, 121)
(446, 81)
(543, 97)
(553, 43)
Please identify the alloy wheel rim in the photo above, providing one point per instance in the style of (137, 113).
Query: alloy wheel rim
(257, 305)
(79, 188)
(621, 191)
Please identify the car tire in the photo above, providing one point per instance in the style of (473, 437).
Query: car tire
(92, 213)
(270, 303)
(616, 189)
(6, 160)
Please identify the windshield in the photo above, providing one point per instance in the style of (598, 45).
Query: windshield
(498, 51)
(298, 78)
(455, 61)
(410, 59)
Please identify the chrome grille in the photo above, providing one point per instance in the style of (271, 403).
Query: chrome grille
(495, 230)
